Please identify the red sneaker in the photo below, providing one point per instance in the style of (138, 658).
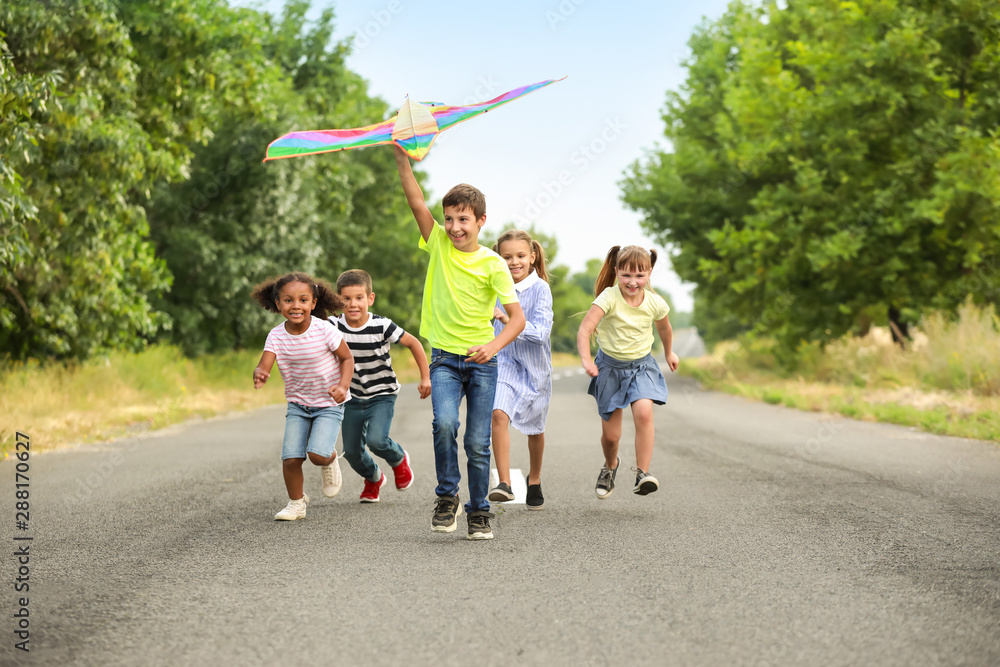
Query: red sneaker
(404, 476)
(370, 493)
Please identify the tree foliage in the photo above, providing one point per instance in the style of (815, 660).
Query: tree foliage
(134, 201)
(830, 158)
(80, 281)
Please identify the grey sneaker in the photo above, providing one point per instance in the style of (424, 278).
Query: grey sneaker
(501, 493)
(644, 483)
(606, 481)
(446, 510)
(479, 526)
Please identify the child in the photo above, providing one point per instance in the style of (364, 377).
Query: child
(524, 384)
(463, 282)
(625, 372)
(316, 365)
(368, 415)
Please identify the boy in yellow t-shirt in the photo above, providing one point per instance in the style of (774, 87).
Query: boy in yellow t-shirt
(464, 280)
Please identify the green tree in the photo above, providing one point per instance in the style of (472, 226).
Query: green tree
(81, 280)
(23, 97)
(830, 158)
(236, 221)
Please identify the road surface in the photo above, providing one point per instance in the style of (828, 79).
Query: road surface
(777, 538)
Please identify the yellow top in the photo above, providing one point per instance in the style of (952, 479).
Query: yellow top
(625, 332)
(460, 292)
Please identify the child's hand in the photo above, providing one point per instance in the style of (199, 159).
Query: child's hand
(424, 388)
(338, 393)
(591, 368)
(480, 354)
(259, 377)
(673, 361)
(501, 314)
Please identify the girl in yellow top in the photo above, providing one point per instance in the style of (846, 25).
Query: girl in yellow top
(624, 372)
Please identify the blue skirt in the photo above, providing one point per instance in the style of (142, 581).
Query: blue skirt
(619, 384)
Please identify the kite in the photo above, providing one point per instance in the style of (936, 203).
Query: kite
(413, 129)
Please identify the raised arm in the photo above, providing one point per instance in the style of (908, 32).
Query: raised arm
(667, 338)
(420, 357)
(587, 328)
(414, 195)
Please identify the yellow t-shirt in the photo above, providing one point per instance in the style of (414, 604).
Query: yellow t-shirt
(626, 332)
(460, 292)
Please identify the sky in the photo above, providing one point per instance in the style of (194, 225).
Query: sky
(552, 159)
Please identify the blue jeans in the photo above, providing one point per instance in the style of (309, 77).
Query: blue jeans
(310, 430)
(452, 378)
(366, 426)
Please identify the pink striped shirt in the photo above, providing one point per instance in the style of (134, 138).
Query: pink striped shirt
(307, 362)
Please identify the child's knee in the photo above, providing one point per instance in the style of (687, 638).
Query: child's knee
(500, 419)
(318, 460)
(445, 424)
(643, 415)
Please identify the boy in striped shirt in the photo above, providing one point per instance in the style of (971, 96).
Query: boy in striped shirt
(368, 415)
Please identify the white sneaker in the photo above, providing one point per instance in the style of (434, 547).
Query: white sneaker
(332, 481)
(295, 509)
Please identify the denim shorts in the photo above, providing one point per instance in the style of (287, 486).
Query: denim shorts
(311, 430)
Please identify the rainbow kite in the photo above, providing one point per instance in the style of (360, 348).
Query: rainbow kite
(413, 129)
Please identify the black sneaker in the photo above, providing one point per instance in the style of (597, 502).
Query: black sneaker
(501, 493)
(446, 510)
(479, 526)
(535, 500)
(644, 483)
(606, 481)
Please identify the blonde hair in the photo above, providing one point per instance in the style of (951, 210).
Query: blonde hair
(631, 257)
(518, 235)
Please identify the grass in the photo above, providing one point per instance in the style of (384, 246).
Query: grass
(947, 381)
(125, 393)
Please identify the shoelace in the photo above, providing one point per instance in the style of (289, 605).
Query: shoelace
(604, 479)
(481, 520)
(328, 475)
(443, 506)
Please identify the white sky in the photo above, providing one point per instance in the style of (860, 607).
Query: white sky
(553, 158)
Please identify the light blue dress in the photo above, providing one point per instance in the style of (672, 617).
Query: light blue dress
(524, 378)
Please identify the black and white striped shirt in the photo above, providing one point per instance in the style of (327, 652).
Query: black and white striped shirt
(369, 343)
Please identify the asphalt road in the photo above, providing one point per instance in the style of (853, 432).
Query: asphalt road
(777, 537)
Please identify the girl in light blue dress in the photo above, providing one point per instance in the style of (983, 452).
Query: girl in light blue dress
(524, 381)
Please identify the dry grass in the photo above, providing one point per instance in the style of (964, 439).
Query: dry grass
(947, 381)
(124, 393)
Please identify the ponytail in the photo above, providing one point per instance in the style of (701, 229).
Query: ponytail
(539, 264)
(536, 247)
(606, 278)
(629, 257)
